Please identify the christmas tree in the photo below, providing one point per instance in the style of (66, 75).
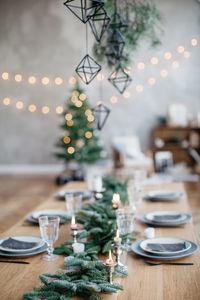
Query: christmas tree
(80, 142)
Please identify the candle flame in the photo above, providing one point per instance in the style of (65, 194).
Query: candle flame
(116, 198)
(73, 221)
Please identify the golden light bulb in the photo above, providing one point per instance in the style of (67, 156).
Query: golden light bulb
(141, 66)
(45, 80)
(88, 112)
(75, 93)
(59, 109)
(126, 94)
(180, 49)
(32, 79)
(139, 88)
(154, 60)
(194, 42)
(71, 150)
(6, 101)
(58, 80)
(88, 134)
(70, 123)
(18, 77)
(151, 80)
(186, 54)
(163, 73)
(66, 140)
(5, 76)
(113, 99)
(82, 97)
(68, 117)
(32, 108)
(74, 99)
(167, 55)
(72, 80)
(90, 118)
(19, 105)
(45, 109)
(78, 103)
(175, 64)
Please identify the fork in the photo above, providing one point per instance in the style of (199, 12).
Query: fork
(166, 263)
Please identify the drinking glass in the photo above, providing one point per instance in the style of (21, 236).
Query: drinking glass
(73, 202)
(49, 227)
(125, 223)
(134, 196)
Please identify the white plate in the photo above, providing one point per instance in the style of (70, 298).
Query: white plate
(164, 241)
(49, 212)
(175, 216)
(61, 194)
(30, 239)
(166, 224)
(26, 254)
(162, 195)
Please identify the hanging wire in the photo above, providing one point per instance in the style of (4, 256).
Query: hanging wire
(86, 28)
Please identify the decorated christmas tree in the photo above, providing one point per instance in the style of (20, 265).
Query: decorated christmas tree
(79, 142)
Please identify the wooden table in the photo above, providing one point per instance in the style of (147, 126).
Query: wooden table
(143, 283)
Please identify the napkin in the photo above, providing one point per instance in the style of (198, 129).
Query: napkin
(16, 244)
(167, 247)
(166, 218)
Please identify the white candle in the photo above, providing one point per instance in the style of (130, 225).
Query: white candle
(116, 199)
(117, 239)
(109, 261)
(78, 247)
(73, 223)
(149, 232)
(97, 183)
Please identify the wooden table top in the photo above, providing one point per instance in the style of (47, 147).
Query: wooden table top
(143, 283)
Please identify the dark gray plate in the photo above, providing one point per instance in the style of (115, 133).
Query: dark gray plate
(162, 224)
(135, 247)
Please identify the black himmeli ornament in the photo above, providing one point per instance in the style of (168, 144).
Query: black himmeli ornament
(120, 79)
(99, 23)
(116, 44)
(101, 113)
(118, 22)
(83, 9)
(87, 69)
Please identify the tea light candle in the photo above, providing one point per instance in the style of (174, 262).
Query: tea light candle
(73, 223)
(116, 199)
(98, 183)
(78, 247)
(149, 232)
(117, 239)
(109, 261)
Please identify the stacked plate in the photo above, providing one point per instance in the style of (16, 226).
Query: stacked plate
(21, 246)
(61, 194)
(165, 248)
(162, 195)
(165, 218)
(34, 217)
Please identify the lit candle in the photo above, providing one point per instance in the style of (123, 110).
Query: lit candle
(109, 261)
(78, 247)
(116, 199)
(73, 223)
(98, 183)
(117, 239)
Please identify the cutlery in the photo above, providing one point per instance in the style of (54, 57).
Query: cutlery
(166, 263)
(14, 262)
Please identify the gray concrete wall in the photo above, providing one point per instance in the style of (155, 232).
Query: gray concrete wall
(42, 38)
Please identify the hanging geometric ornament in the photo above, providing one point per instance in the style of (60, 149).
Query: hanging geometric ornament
(87, 69)
(99, 23)
(120, 79)
(101, 113)
(116, 44)
(118, 22)
(83, 9)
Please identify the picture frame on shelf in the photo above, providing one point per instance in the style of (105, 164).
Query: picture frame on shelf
(177, 115)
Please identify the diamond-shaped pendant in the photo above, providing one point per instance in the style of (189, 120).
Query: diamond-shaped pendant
(99, 23)
(87, 69)
(117, 43)
(101, 113)
(120, 79)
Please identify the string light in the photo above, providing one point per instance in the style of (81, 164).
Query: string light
(151, 81)
(59, 110)
(45, 110)
(19, 105)
(58, 80)
(139, 88)
(45, 80)
(141, 66)
(154, 60)
(163, 73)
(100, 77)
(68, 117)
(186, 54)
(82, 97)
(180, 49)
(126, 94)
(66, 140)
(6, 101)
(72, 80)
(78, 103)
(32, 108)
(32, 79)
(194, 42)
(88, 112)
(113, 99)
(76, 94)
(88, 134)
(74, 99)
(18, 77)
(5, 76)
(90, 118)
(70, 150)
(127, 70)
(175, 64)
(167, 55)
(70, 123)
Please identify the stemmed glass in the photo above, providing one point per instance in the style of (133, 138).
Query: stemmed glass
(73, 202)
(49, 227)
(125, 222)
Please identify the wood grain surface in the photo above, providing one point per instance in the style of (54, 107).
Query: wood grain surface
(143, 283)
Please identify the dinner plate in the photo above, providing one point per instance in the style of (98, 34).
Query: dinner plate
(49, 212)
(165, 224)
(26, 254)
(162, 195)
(14, 244)
(165, 216)
(61, 194)
(165, 246)
(135, 247)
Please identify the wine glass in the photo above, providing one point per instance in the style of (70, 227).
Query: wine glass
(73, 202)
(49, 227)
(125, 222)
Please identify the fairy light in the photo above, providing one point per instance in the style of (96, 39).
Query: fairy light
(5, 76)
(127, 70)
(139, 88)
(45, 110)
(66, 140)
(70, 150)
(68, 117)
(18, 77)
(75, 93)
(72, 80)
(32, 108)
(151, 81)
(70, 123)
(126, 94)
(194, 42)
(90, 118)
(100, 77)
(167, 55)
(82, 97)
(6, 101)
(19, 105)
(88, 112)
(45, 80)
(186, 54)
(154, 60)
(59, 110)
(163, 73)
(141, 66)
(113, 99)
(58, 80)
(74, 99)
(78, 103)
(32, 79)
(180, 49)
(175, 64)
(88, 134)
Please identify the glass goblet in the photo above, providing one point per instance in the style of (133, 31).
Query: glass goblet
(49, 227)
(125, 223)
(73, 202)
